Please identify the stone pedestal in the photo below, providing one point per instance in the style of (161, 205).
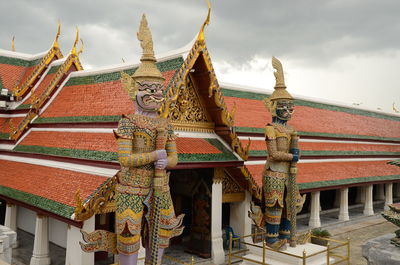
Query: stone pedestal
(40, 254)
(276, 258)
(315, 220)
(379, 251)
(368, 205)
(7, 239)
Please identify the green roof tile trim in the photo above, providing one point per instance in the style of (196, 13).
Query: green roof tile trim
(4, 135)
(327, 183)
(24, 106)
(173, 64)
(299, 102)
(395, 162)
(18, 62)
(38, 201)
(330, 153)
(53, 69)
(78, 119)
(320, 134)
(226, 154)
(68, 152)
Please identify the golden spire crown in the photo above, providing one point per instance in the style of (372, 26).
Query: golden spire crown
(147, 69)
(280, 91)
(13, 44)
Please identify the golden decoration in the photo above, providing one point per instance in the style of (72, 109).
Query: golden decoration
(73, 50)
(280, 91)
(21, 89)
(218, 175)
(11, 126)
(13, 44)
(188, 107)
(103, 201)
(200, 37)
(147, 69)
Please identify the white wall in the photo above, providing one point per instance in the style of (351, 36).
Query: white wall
(57, 230)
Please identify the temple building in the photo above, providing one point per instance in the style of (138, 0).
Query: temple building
(58, 154)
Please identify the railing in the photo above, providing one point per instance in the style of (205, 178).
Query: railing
(332, 244)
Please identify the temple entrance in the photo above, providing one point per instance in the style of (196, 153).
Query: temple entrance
(191, 195)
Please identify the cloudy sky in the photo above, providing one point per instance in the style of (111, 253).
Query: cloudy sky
(341, 50)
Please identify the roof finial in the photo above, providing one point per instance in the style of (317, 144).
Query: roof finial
(73, 51)
(55, 43)
(13, 44)
(200, 37)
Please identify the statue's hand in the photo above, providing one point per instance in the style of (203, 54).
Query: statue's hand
(161, 154)
(295, 152)
(161, 163)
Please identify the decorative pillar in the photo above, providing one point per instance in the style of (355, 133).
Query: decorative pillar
(239, 220)
(315, 220)
(74, 254)
(388, 195)
(368, 205)
(380, 194)
(217, 249)
(11, 221)
(40, 254)
(344, 205)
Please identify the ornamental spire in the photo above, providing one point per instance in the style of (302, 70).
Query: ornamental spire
(200, 37)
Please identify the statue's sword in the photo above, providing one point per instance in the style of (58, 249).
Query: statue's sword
(292, 192)
(158, 183)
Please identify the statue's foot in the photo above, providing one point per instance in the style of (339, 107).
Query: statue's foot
(278, 245)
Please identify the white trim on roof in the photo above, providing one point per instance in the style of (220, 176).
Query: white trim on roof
(302, 140)
(329, 160)
(265, 91)
(12, 115)
(53, 97)
(86, 130)
(23, 56)
(100, 171)
(6, 146)
(195, 134)
(118, 67)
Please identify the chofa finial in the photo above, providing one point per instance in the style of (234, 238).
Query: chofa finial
(200, 37)
(13, 44)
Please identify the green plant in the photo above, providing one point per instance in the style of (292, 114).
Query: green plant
(320, 233)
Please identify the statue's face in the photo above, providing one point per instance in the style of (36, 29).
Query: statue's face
(284, 109)
(149, 96)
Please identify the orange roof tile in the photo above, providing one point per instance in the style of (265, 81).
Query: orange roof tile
(334, 171)
(55, 184)
(252, 113)
(195, 146)
(41, 87)
(11, 75)
(100, 99)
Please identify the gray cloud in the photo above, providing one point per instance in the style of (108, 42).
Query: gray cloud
(311, 31)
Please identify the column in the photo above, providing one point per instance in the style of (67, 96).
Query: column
(74, 254)
(368, 205)
(388, 195)
(344, 205)
(217, 250)
(380, 194)
(239, 220)
(11, 221)
(360, 196)
(40, 254)
(315, 220)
